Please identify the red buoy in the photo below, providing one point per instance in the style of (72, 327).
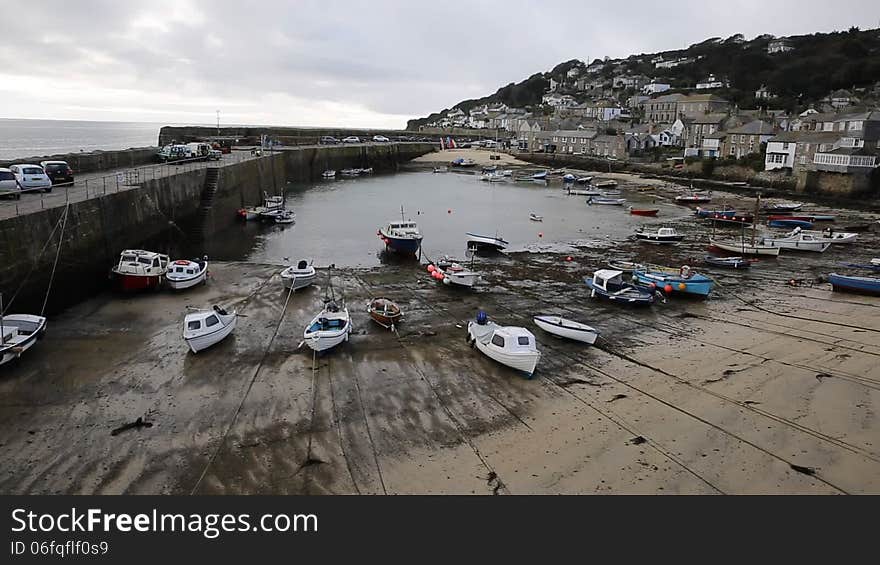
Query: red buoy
(569, 258)
(431, 268)
(540, 234)
(668, 288)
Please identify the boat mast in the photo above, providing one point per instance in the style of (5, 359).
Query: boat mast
(2, 333)
(755, 218)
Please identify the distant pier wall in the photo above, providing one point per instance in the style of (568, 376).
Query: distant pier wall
(95, 161)
(159, 214)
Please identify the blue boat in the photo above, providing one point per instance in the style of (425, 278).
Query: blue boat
(683, 281)
(858, 285)
(402, 236)
(609, 284)
(703, 213)
(803, 224)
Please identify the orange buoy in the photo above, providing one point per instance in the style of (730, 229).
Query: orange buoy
(682, 286)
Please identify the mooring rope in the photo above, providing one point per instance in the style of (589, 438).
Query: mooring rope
(55, 264)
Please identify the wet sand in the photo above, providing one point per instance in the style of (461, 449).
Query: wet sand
(763, 388)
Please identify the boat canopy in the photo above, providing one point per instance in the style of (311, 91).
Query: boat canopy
(603, 276)
(513, 338)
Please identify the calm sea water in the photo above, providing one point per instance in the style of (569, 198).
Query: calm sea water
(34, 138)
(336, 221)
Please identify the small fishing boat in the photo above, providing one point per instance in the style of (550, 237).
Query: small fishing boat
(489, 169)
(556, 172)
(790, 224)
(872, 266)
(492, 177)
(858, 285)
(184, 273)
(140, 270)
(505, 173)
(821, 218)
(273, 215)
(782, 208)
(441, 170)
(583, 180)
(789, 217)
(18, 333)
(252, 213)
(540, 176)
(403, 236)
(329, 328)
(743, 247)
(535, 217)
(592, 192)
(486, 241)
(625, 266)
(705, 213)
(455, 274)
(684, 280)
(609, 284)
(285, 217)
(694, 198)
(569, 178)
(509, 345)
(567, 328)
(601, 201)
(797, 241)
(728, 262)
(646, 188)
(610, 193)
(299, 276)
(463, 163)
(606, 184)
(831, 236)
(643, 211)
(384, 312)
(329, 174)
(581, 192)
(272, 202)
(204, 328)
(663, 236)
(350, 172)
(367, 171)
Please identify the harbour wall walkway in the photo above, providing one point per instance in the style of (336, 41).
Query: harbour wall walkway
(157, 212)
(93, 161)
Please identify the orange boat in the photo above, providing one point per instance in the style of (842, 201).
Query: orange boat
(637, 212)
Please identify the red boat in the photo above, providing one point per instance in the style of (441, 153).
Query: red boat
(140, 270)
(800, 218)
(651, 212)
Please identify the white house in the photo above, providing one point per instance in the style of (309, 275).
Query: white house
(553, 84)
(655, 88)
(763, 93)
(556, 100)
(573, 72)
(711, 82)
(674, 63)
(711, 146)
(779, 46)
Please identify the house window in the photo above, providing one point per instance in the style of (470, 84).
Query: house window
(732, 150)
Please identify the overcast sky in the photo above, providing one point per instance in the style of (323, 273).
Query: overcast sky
(369, 63)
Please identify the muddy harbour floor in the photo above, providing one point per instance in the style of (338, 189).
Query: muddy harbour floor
(766, 387)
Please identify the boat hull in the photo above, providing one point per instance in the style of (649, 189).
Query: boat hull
(9, 351)
(401, 245)
(181, 284)
(644, 212)
(521, 361)
(485, 241)
(202, 342)
(641, 298)
(293, 281)
(790, 224)
(659, 240)
(857, 285)
(567, 329)
(136, 283)
(745, 248)
(697, 285)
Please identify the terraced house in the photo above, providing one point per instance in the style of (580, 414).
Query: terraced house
(746, 139)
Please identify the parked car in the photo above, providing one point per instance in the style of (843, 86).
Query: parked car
(9, 187)
(351, 139)
(31, 177)
(380, 139)
(329, 140)
(59, 172)
(215, 155)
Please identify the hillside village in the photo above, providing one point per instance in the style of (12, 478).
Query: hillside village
(729, 99)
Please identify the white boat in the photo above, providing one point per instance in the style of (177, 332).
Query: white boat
(694, 198)
(18, 333)
(567, 328)
(350, 172)
(875, 262)
(581, 192)
(606, 184)
(831, 236)
(204, 328)
(285, 217)
(606, 201)
(506, 173)
(744, 247)
(583, 180)
(487, 241)
(272, 202)
(441, 170)
(273, 214)
(663, 236)
(367, 171)
(184, 273)
(329, 328)
(457, 275)
(509, 345)
(492, 177)
(300, 276)
(798, 241)
(536, 218)
(329, 174)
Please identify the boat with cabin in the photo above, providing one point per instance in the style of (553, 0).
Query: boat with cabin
(329, 328)
(509, 345)
(609, 285)
(402, 237)
(140, 270)
(185, 273)
(663, 236)
(204, 328)
(298, 276)
(831, 236)
(329, 174)
(798, 241)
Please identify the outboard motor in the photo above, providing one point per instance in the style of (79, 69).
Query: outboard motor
(482, 318)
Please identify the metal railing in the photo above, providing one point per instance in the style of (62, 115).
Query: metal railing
(81, 189)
